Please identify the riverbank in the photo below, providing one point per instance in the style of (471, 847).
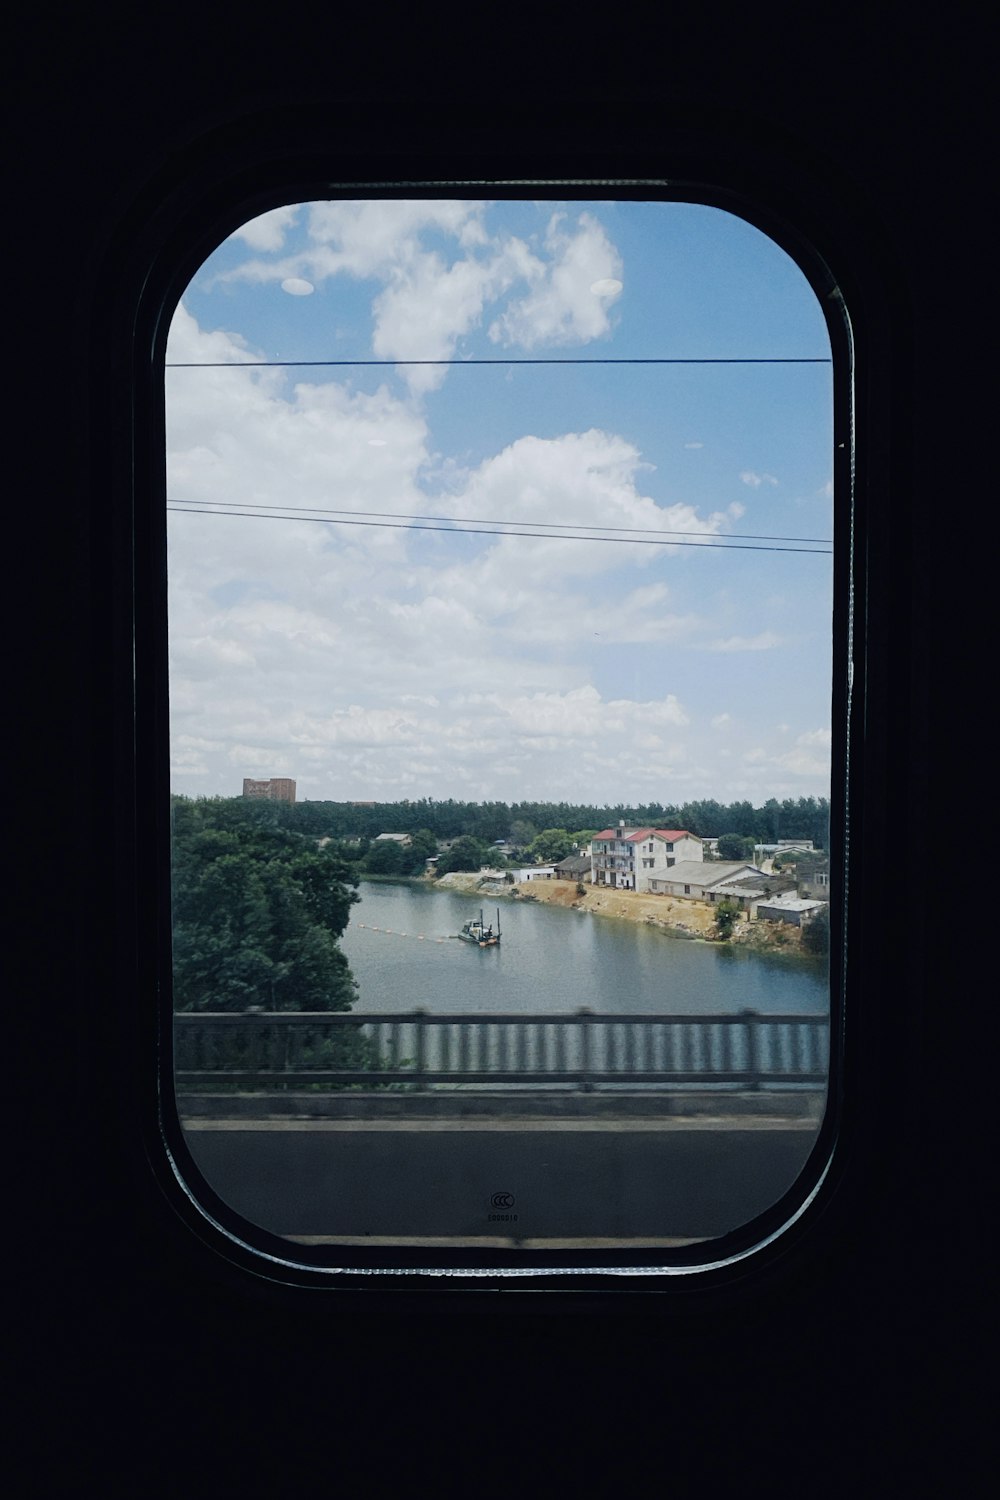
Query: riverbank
(677, 918)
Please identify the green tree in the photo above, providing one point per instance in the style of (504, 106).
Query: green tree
(551, 845)
(522, 833)
(735, 846)
(582, 837)
(465, 854)
(257, 911)
(726, 914)
(386, 857)
(422, 847)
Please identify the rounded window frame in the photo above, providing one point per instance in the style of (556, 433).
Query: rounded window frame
(202, 214)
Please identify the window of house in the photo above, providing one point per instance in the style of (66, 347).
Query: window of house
(407, 440)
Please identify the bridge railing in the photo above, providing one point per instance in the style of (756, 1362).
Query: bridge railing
(294, 1050)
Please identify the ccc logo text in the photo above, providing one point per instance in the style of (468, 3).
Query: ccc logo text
(502, 1200)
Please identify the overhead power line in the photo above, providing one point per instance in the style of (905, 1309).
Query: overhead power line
(558, 531)
(334, 364)
(392, 515)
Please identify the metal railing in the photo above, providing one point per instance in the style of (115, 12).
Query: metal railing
(256, 1050)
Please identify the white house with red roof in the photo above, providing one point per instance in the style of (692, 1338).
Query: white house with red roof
(629, 858)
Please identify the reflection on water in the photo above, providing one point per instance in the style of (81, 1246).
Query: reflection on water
(402, 948)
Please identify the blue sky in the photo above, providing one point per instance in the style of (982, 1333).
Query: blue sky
(382, 662)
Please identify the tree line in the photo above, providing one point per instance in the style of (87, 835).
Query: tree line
(521, 822)
(262, 891)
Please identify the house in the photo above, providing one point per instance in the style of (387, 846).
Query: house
(815, 884)
(393, 838)
(703, 880)
(574, 867)
(791, 909)
(629, 858)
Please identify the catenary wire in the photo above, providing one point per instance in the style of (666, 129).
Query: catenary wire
(454, 522)
(274, 364)
(484, 531)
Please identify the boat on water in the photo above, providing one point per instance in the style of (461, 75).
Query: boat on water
(477, 932)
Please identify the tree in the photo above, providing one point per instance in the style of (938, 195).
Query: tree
(257, 911)
(465, 854)
(386, 857)
(522, 833)
(726, 914)
(422, 847)
(734, 846)
(551, 845)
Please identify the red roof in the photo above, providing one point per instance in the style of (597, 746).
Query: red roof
(636, 835)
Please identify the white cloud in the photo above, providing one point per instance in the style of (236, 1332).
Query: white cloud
(765, 641)
(267, 232)
(361, 239)
(433, 297)
(430, 301)
(694, 445)
(570, 296)
(578, 480)
(427, 308)
(383, 662)
(189, 344)
(810, 756)
(260, 760)
(756, 480)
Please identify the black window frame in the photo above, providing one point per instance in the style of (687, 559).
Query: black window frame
(179, 222)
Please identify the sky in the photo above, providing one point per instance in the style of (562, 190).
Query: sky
(391, 579)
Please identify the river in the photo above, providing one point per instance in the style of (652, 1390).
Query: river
(402, 949)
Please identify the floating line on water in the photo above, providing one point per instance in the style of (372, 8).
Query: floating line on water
(420, 936)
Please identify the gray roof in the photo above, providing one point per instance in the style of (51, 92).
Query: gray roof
(705, 872)
(775, 885)
(790, 903)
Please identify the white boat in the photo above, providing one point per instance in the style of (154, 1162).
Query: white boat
(477, 932)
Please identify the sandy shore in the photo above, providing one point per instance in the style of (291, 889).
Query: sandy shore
(683, 919)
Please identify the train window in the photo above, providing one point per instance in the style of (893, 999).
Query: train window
(502, 649)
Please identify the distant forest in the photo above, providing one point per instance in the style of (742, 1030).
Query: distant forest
(805, 818)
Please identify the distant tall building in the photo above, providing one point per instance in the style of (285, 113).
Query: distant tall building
(279, 788)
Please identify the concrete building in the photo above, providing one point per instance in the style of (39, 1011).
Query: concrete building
(702, 880)
(630, 858)
(278, 788)
(789, 909)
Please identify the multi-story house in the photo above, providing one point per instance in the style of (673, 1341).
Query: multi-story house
(277, 789)
(629, 858)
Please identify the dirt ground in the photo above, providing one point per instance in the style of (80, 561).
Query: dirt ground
(694, 917)
(691, 919)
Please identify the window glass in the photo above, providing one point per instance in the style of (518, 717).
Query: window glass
(500, 545)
